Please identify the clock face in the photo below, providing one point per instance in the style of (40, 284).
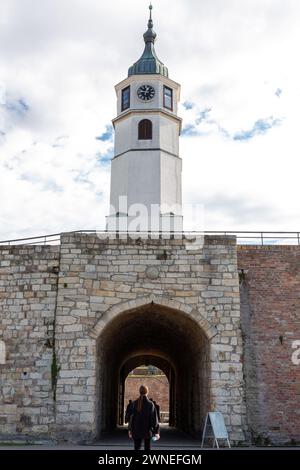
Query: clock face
(146, 92)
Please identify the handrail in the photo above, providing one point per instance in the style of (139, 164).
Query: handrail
(243, 237)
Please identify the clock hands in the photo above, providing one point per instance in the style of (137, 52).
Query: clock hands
(146, 92)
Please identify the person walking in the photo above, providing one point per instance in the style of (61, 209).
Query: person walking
(143, 423)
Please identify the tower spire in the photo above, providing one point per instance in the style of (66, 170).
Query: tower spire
(149, 62)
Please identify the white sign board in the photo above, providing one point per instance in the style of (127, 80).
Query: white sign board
(218, 425)
(215, 427)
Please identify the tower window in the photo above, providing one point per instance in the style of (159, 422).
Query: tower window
(125, 98)
(168, 98)
(145, 129)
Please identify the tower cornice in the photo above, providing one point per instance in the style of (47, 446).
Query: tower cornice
(158, 111)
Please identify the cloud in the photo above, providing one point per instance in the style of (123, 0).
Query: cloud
(105, 159)
(19, 107)
(239, 207)
(203, 124)
(59, 62)
(107, 135)
(260, 127)
(188, 105)
(60, 141)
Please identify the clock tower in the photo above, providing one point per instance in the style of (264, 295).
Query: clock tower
(146, 167)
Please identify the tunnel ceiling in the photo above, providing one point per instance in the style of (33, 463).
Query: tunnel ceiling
(152, 329)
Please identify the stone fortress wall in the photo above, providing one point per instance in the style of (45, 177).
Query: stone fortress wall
(270, 315)
(28, 295)
(57, 304)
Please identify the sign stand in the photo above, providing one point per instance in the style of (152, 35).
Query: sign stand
(215, 428)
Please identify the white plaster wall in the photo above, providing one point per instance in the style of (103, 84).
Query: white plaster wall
(165, 134)
(123, 135)
(126, 133)
(118, 181)
(146, 176)
(168, 135)
(170, 180)
(137, 175)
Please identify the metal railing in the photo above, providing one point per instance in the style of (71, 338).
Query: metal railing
(262, 238)
(53, 239)
(243, 237)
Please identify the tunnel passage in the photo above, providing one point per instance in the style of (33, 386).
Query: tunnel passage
(161, 387)
(170, 340)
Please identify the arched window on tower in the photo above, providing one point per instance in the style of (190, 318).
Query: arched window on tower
(145, 129)
(2, 352)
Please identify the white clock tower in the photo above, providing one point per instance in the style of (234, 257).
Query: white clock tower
(146, 168)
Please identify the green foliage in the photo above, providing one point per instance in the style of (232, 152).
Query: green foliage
(281, 339)
(240, 444)
(261, 441)
(292, 442)
(242, 276)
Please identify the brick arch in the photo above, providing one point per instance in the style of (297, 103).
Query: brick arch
(208, 329)
(138, 360)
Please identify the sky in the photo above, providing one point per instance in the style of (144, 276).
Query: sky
(238, 64)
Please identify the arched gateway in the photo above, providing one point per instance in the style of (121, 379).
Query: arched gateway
(163, 333)
(113, 314)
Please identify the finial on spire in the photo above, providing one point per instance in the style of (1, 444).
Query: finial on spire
(150, 35)
(150, 8)
(150, 22)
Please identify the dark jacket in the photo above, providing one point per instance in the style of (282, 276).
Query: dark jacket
(142, 425)
(128, 412)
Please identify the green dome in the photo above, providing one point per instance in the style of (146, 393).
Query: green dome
(149, 63)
